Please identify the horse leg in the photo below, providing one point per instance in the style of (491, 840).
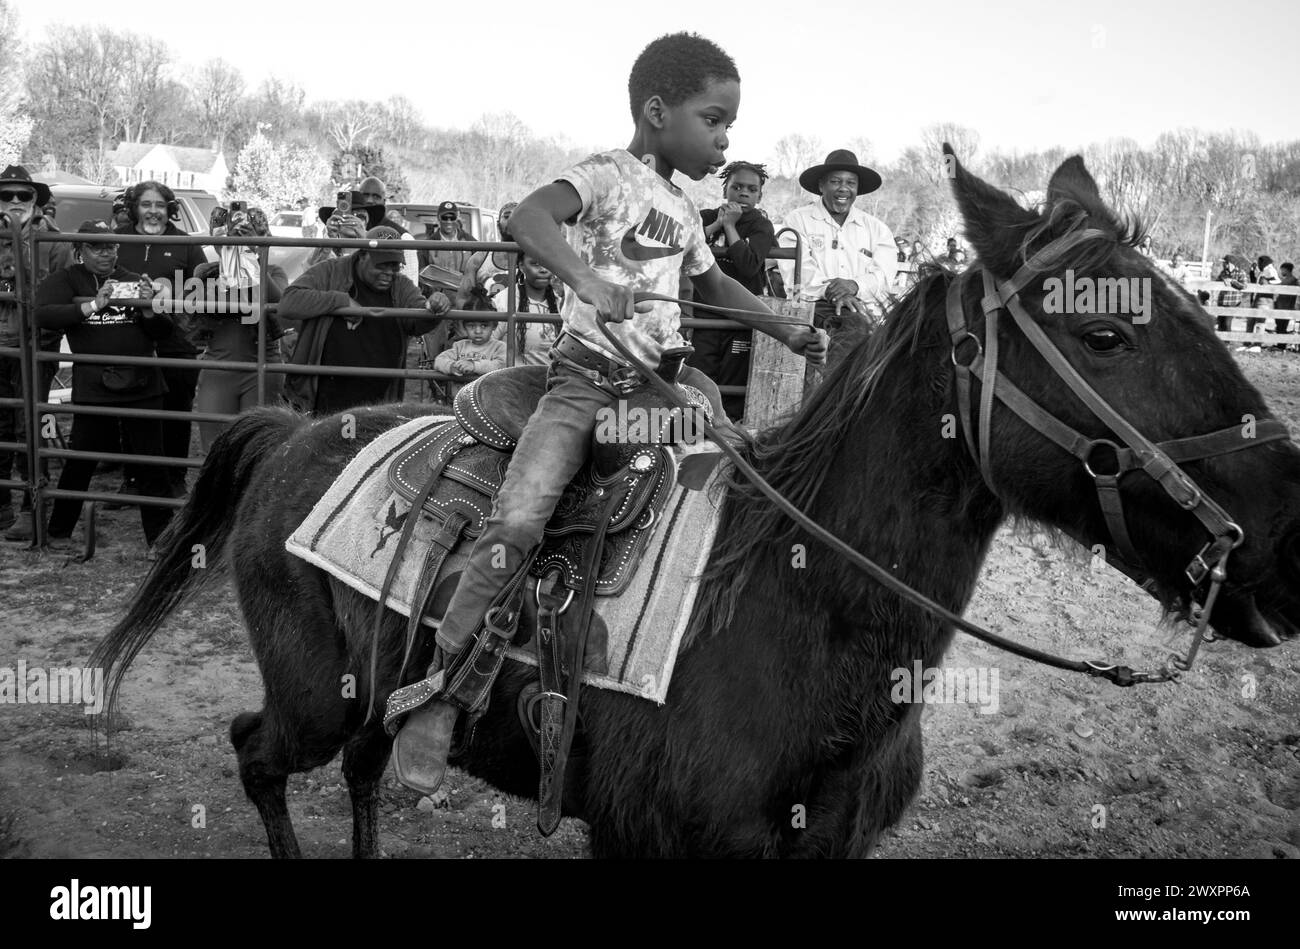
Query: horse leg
(264, 775)
(365, 757)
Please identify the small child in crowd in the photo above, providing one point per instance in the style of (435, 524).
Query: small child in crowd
(475, 355)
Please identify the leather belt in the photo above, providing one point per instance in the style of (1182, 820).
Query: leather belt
(623, 378)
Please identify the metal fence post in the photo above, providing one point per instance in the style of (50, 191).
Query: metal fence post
(512, 301)
(29, 342)
(263, 260)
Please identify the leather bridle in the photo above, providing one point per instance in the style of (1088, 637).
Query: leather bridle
(1136, 453)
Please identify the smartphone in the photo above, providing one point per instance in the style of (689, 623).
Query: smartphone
(122, 290)
(238, 207)
(344, 204)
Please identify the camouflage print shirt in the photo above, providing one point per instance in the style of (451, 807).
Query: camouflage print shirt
(640, 231)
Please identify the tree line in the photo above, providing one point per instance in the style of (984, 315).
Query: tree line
(72, 96)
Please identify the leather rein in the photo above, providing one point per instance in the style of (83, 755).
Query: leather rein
(1159, 461)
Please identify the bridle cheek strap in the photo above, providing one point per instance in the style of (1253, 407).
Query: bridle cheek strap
(1158, 461)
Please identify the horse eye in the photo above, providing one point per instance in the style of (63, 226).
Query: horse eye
(1102, 341)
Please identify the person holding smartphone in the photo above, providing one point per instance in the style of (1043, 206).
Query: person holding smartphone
(103, 323)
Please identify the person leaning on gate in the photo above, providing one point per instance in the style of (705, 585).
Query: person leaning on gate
(631, 229)
(849, 257)
(740, 236)
(152, 207)
(367, 278)
(374, 193)
(97, 327)
(21, 199)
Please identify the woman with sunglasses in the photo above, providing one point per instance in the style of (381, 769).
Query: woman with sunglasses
(98, 326)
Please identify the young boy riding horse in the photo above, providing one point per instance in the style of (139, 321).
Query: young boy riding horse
(631, 231)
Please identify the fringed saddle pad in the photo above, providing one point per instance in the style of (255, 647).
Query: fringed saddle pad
(352, 530)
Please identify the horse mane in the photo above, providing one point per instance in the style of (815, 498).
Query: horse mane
(793, 457)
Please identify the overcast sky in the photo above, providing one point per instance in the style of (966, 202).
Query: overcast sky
(1026, 75)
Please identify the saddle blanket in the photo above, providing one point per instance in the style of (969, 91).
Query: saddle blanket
(352, 530)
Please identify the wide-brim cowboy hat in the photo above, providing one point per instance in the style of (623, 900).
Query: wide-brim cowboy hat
(374, 212)
(840, 160)
(17, 175)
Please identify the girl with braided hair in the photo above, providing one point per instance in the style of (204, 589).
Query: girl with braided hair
(534, 294)
(740, 236)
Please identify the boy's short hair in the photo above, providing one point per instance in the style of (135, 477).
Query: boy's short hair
(676, 67)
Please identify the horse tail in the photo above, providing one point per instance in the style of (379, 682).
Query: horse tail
(191, 552)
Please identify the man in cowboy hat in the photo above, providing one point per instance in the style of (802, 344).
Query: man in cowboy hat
(21, 199)
(849, 257)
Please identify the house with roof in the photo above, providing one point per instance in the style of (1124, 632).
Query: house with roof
(173, 165)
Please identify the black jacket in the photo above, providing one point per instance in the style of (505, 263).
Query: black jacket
(745, 260)
(118, 331)
(174, 263)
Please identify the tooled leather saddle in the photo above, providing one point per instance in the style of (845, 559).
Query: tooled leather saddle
(592, 543)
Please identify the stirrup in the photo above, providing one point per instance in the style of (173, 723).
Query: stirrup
(404, 701)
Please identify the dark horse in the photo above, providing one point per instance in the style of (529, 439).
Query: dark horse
(780, 698)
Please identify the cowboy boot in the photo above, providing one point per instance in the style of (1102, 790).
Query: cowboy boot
(423, 743)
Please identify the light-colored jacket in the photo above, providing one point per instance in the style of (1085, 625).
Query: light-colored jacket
(863, 250)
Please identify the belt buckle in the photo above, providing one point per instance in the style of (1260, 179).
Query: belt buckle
(625, 379)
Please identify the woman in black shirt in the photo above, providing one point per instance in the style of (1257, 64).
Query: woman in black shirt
(96, 327)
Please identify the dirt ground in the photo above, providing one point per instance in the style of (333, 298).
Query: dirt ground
(1067, 767)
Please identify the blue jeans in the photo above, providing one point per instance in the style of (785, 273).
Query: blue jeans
(554, 445)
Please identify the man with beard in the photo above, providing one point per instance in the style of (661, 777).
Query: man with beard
(367, 278)
(20, 200)
(849, 257)
(151, 207)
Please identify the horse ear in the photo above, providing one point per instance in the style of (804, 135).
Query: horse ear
(995, 224)
(1072, 180)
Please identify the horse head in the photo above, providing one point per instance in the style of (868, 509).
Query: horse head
(1133, 406)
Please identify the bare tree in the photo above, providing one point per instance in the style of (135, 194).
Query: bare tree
(142, 79)
(351, 123)
(401, 123)
(218, 90)
(278, 106)
(793, 153)
(11, 72)
(964, 141)
(80, 66)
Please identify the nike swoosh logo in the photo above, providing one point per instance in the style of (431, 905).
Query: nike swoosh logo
(634, 251)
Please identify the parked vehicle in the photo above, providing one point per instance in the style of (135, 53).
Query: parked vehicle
(79, 203)
(288, 224)
(480, 223)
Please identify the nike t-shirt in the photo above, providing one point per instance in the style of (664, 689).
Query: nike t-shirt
(640, 231)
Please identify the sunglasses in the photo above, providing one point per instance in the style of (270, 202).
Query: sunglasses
(104, 249)
(449, 217)
(20, 196)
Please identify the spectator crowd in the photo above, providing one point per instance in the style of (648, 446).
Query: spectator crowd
(106, 298)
